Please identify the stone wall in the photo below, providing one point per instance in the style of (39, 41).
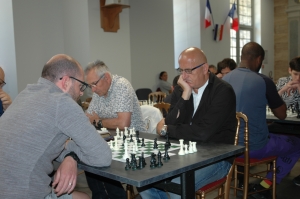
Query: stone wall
(281, 51)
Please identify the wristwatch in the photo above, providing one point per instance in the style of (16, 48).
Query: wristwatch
(73, 155)
(163, 131)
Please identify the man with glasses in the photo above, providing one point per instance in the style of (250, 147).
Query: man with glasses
(35, 130)
(5, 99)
(115, 105)
(203, 110)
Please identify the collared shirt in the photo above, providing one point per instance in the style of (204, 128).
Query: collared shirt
(291, 99)
(120, 98)
(197, 96)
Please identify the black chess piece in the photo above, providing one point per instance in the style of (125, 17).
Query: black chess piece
(127, 167)
(159, 163)
(131, 140)
(133, 162)
(155, 146)
(99, 125)
(168, 141)
(143, 143)
(137, 134)
(143, 159)
(153, 161)
(166, 156)
(297, 110)
(140, 163)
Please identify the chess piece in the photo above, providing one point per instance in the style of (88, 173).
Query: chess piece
(143, 159)
(186, 149)
(168, 141)
(127, 167)
(166, 156)
(191, 147)
(159, 163)
(99, 125)
(133, 162)
(140, 163)
(194, 147)
(116, 143)
(137, 135)
(131, 140)
(125, 151)
(155, 146)
(118, 133)
(153, 161)
(181, 151)
(143, 143)
(111, 145)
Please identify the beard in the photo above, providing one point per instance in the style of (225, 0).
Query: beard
(73, 93)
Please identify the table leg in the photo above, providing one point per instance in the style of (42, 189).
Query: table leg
(188, 185)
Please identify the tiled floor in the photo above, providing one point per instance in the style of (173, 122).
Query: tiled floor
(285, 190)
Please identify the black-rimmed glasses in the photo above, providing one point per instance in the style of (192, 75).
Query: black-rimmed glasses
(2, 83)
(83, 84)
(189, 71)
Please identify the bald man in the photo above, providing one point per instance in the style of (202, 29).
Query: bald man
(202, 110)
(4, 97)
(35, 130)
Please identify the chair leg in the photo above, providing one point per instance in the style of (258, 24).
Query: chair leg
(246, 181)
(235, 180)
(129, 191)
(274, 180)
(198, 196)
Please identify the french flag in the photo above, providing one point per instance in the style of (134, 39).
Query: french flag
(234, 17)
(207, 14)
(218, 34)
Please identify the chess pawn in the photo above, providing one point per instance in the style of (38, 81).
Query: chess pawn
(194, 146)
(186, 149)
(127, 167)
(111, 145)
(117, 132)
(191, 147)
(116, 143)
(181, 151)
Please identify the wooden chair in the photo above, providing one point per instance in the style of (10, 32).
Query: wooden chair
(223, 185)
(248, 162)
(163, 107)
(157, 97)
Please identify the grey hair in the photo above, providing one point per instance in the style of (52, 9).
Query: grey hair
(99, 67)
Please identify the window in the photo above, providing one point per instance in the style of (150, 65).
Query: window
(244, 35)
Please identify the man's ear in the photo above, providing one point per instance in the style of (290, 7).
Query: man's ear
(64, 84)
(205, 68)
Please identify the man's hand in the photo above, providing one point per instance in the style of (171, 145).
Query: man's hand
(219, 75)
(290, 86)
(65, 177)
(187, 90)
(5, 98)
(93, 117)
(160, 125)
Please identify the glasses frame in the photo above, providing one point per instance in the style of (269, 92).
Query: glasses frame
(189, 71)
(3, 83)
(95, 84)
(83, 84)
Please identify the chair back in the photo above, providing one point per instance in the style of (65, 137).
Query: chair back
(142, 93)
(239, 116)
(157, 97)
(151, 116)
(163, 107)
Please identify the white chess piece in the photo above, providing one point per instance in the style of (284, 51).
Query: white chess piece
(186, 149)
(194, 146)
(116, 143)
(125, 130)
(118, 132)
(181, 151)
(191, 147)
(111, 145)
(125, 156)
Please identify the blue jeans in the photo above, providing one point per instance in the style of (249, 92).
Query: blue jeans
(203, 177)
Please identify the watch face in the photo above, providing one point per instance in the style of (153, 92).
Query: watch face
(163, 131)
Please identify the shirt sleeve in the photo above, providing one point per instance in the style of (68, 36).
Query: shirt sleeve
(274, 100)
(89, 146)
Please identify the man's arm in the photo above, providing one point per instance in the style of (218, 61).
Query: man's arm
(280, 112)
(123, 120)
(5, 98)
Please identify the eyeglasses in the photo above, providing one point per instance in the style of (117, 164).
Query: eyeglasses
(83, 84)
(189, 71)
(2, 83)
(95, 84)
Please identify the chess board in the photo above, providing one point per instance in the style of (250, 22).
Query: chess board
(147, 149)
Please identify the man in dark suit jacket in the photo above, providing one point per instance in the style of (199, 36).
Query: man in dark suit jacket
(203, 110)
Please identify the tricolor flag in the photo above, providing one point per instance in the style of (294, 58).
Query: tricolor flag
(234, 17)
(207, 14)
(218, 32)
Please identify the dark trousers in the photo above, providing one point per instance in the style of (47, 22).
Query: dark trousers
(103, 188)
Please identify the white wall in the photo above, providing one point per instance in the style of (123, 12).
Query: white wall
(264, 28)
(151, 42)
(38, 27)
(7, 47)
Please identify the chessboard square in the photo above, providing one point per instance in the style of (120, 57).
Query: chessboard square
(119, 157)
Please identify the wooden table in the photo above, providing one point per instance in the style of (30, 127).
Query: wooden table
(183, 166)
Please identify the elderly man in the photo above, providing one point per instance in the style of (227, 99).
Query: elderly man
(198, 113)
(5, 99)
(115, 105)
(245, 81)
(36, 129)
